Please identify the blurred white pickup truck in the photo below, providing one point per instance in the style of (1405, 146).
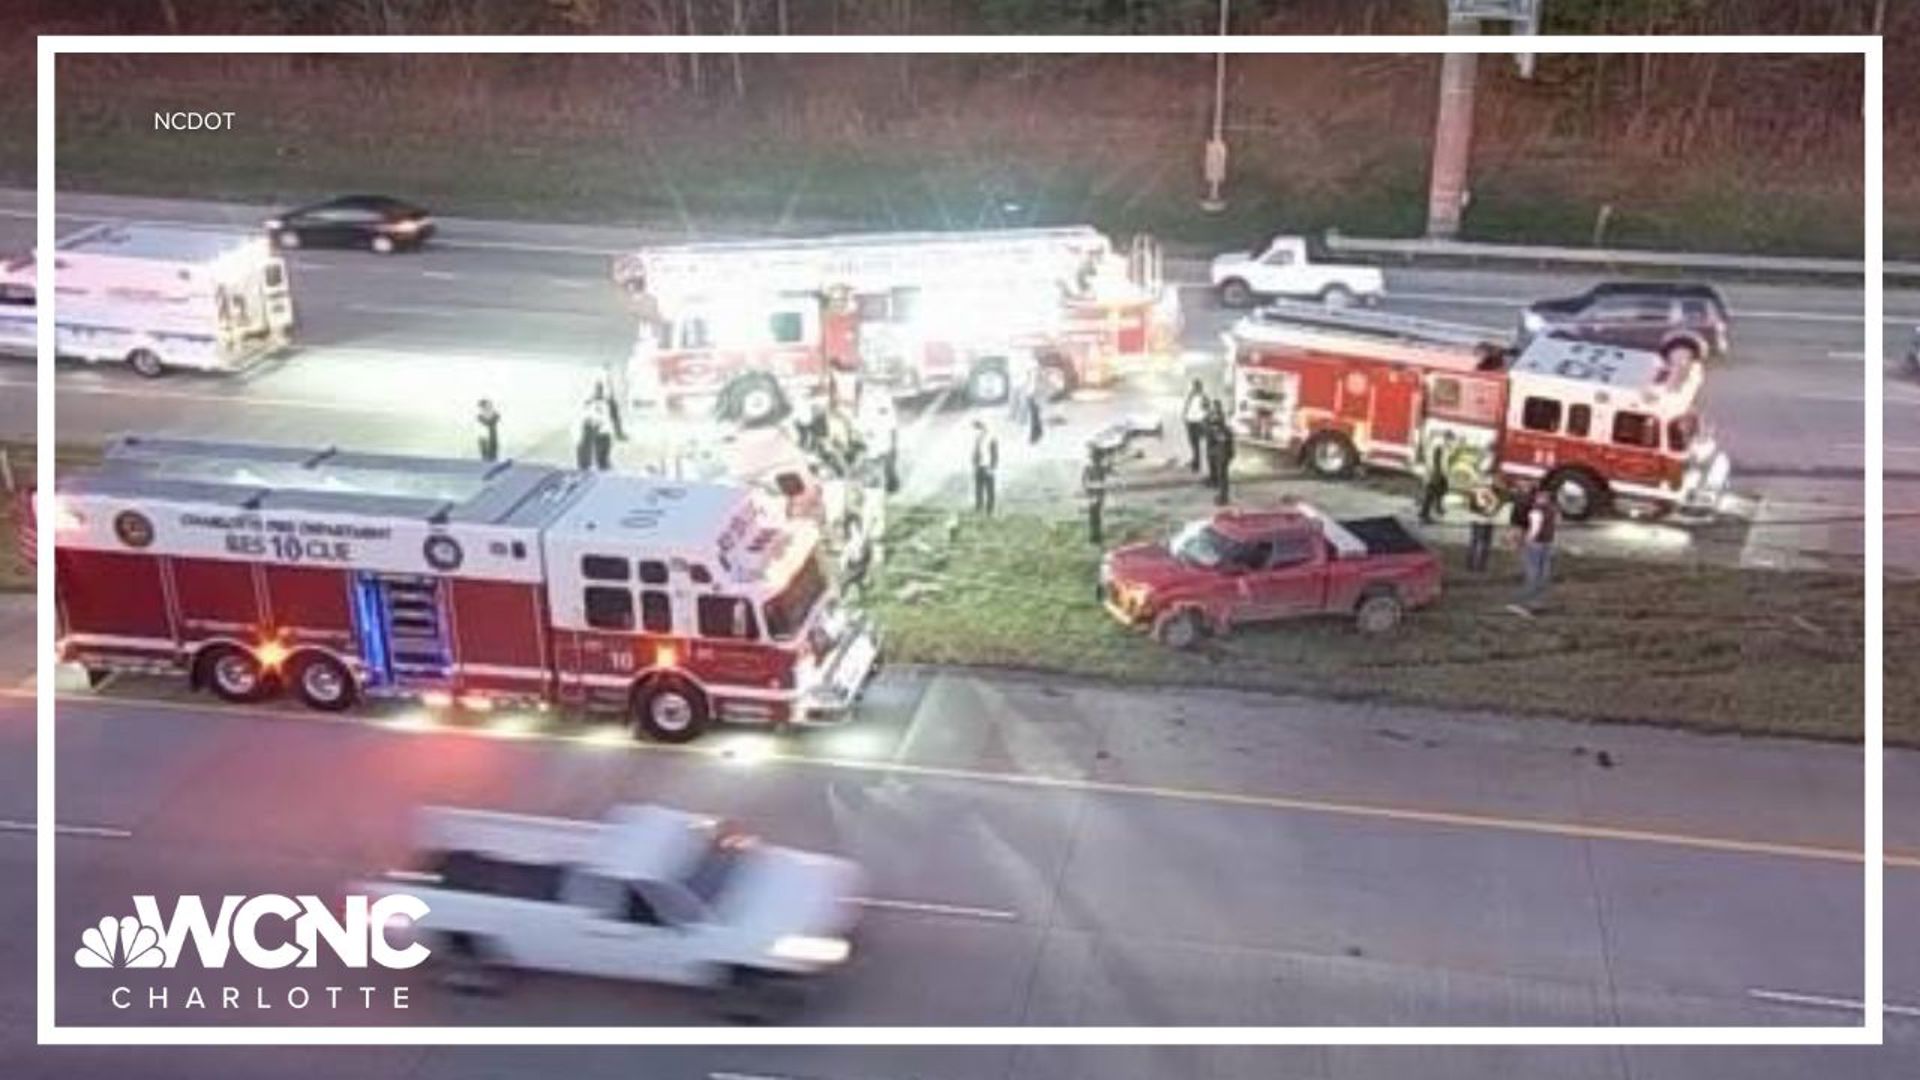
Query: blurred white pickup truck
(1286, 268)
(650, 894)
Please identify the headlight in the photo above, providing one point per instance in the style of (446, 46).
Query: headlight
(804, 949)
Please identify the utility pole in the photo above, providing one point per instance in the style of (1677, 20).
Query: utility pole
(1213, 163)
(1452, 136)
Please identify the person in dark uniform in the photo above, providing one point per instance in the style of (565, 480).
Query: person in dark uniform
(1220, 450)
(1093, 484)
(488, 418)
(986, 464)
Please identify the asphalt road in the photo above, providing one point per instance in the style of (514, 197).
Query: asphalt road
(394, 351)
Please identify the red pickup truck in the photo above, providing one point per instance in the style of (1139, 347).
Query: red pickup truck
(1242, 566)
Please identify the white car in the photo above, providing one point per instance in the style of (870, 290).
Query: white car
(1286, 268)
(651, 894)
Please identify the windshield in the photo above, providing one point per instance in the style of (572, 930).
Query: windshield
(1199, 544)
(787, 613)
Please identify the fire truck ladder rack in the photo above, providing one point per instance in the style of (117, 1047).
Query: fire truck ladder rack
(1379, 325)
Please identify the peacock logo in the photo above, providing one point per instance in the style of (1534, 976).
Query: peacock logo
(125, 942)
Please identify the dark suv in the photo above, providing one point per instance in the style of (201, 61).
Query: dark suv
(1673, 319)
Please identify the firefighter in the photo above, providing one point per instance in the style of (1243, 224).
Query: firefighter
(1093, 484)
(488, 418)
(617, 388)
(1220, 450)
(986, 464)
(1433, 493)
(1484, 507)
(1193, 413)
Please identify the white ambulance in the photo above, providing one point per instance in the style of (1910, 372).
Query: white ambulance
(156, 298)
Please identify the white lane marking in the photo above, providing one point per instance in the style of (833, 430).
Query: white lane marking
(746, 1076)
(469, 312)
(1885, 449)
(926, 907)
(1791, 997)
(440, 275)
(309, 264)
(1846, 356)
(574, 283)
(105, 832)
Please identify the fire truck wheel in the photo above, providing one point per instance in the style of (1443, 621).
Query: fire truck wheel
(1180, 628)
(669, 709)
(146, 363)
(756, 401)
(1059, 376)
(233, 674)
(1330, 454)
(321, 682)
(1235, 293)
(988, 385)
(1379, 611)
(1578, 493)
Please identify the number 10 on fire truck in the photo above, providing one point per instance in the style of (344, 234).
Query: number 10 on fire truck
(338, 576)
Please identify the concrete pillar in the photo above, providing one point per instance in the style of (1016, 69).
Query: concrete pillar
(1452, 138)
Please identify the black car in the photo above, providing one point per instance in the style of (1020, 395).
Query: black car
(370, 221)
(1674, 319)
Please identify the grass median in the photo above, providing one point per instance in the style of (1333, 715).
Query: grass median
(1705, 648)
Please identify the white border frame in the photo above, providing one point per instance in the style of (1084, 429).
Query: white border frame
(1870, 1032)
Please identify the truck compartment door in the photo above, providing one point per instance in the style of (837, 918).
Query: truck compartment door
(402, 624)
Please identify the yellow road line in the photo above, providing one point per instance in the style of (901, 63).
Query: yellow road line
(1373, 811)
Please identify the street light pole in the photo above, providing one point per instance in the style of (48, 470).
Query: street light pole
(1214, 162)
(1452, 137)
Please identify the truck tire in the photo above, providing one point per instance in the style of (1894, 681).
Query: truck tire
(1379, 611)
(1578, 493)
(1235, 293)
(1330, 455)
(146, 363)
(988, 383)
(756, 996)
(467, 965)
(233, 674)
(1336, 296)
(669, 709)
(755, 400)
(321, 682)
(1058, 377)
(1180, 628)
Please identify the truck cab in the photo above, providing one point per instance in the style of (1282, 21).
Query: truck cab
(1250, 566)
(1287, 267)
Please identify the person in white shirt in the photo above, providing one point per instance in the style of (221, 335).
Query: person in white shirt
(1193, 413)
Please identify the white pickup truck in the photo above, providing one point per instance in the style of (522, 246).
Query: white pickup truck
(651, 894)
(1286, 268)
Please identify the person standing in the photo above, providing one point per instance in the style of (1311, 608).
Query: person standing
(1536, 551)
(986, 464)
(586, 447)
(617, 388)
(488, 418)
(1484, 506)
(1433, 494)
(1193, 413)
(1093, 484)
(1220, 450)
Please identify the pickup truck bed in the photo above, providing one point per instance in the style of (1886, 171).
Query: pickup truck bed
(1384, 536)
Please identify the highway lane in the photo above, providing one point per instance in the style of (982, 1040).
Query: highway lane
(1060, 904)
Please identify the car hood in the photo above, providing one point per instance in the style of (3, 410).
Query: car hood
(1148, 565)
(780, 891)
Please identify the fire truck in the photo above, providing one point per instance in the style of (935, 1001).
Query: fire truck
(338, 577)
(1599, 426)
(156, 298)
(753, 324)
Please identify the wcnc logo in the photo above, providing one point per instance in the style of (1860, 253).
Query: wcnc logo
(357, 937)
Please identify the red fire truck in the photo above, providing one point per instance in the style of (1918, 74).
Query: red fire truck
(752, 323)
(1599, 426)
(340, 576)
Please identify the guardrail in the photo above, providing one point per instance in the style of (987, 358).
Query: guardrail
(1678, 260)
